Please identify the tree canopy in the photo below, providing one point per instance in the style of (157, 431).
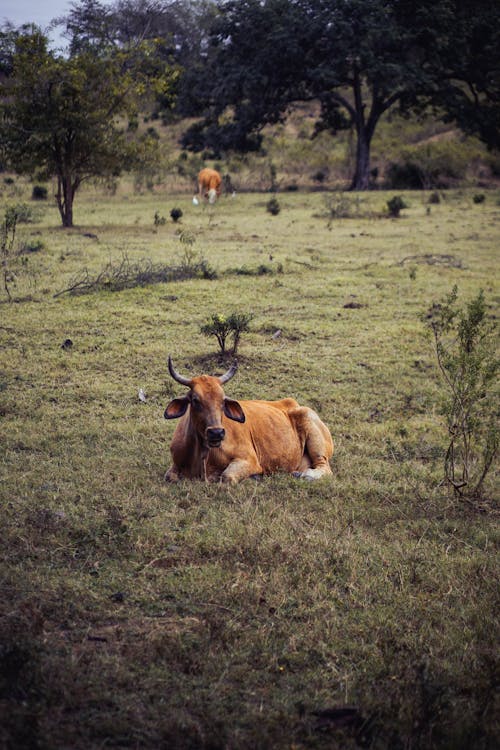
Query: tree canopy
(67, 117)
(238, 65)
(359, 58)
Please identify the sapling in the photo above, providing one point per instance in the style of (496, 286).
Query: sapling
(221, 327)
(464, 342)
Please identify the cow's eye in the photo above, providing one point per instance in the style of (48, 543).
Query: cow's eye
(196, 403)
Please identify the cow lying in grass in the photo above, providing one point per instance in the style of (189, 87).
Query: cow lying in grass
(209, 184)
(219, 439)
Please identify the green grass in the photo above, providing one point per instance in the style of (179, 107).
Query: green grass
(144, 615)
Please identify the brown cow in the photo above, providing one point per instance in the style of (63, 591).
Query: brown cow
(209, 184)
(219, 439)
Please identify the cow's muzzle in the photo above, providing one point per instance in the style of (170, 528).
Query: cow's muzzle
(215, 436)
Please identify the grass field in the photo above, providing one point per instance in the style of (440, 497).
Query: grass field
(359, 611)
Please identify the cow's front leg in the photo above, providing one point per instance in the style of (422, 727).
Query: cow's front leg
(240, 469)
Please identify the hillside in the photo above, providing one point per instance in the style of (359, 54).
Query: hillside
(406, 153)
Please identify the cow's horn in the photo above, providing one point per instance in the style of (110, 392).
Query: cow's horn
(175, 375)
(229, 374)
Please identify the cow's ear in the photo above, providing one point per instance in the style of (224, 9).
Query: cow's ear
(233, 410)
(176, 408)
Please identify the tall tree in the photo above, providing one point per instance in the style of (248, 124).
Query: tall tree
(359, 58)
(59, 116)
(179, 28)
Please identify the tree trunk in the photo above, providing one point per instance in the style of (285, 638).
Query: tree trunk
(65, 196)
(361, 179)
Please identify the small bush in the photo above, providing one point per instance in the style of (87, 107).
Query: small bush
(33, 246)
(273, 207)
(24, 213)
(479, 198)
(39, 193)
(159, 221)
(176, 214)
(395, 205)
(431, 165)
(464, 342)
(406, 176)
(321, 175)
(222, 327)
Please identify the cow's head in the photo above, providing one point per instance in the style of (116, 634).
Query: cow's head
(207, 402)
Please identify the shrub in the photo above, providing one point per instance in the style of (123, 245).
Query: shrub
(431, 165)
(31, 246)
(24, 214)
(175, 214)
(273, 207)
(479, 198)
(159, 220)
(39, 193)
(395, 205)
(222, 327)
(464, 346)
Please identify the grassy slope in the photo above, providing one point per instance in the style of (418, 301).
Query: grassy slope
(143, 615)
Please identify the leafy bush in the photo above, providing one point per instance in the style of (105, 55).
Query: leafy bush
(159, 221)
(222, 327)
(176, 214)
(395, 205)
(431, 165)
(31, 246)
(39, 193)
(464, 345)
(273, 207)
(24, 214)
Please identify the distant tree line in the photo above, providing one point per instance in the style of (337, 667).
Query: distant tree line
(237, 65)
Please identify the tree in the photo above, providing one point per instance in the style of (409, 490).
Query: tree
(179, 28)
(60, 116)
(359, 58)
(469, 91)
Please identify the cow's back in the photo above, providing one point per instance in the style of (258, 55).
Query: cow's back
(268, 432)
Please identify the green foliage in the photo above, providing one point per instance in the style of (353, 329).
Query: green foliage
(159, 220)
(60, 115)
(429, 166)
(7, 237)
(363, 59)
(39, 193)
(464, 341)
(222, 327)
(395, 205)
(176, 214)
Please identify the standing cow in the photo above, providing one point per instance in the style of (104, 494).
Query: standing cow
(209, 184)
(219, 439)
